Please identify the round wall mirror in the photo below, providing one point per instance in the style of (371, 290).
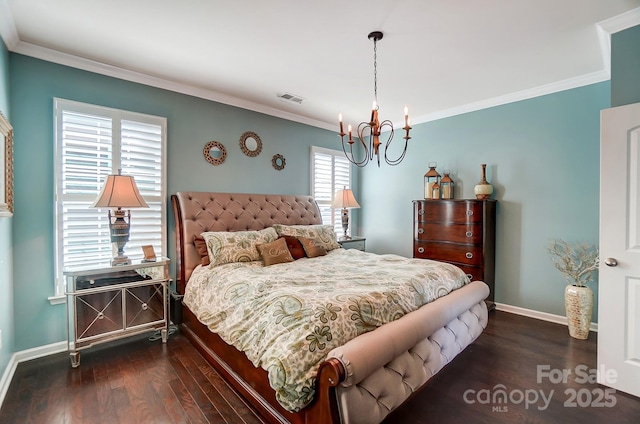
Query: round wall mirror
(250, 144)
(214, 152)
(278, 161)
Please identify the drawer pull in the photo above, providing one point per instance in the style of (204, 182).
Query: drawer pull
(469, 212)
(469, 233)
(145, 307)
(420, 249)
(470, 277)
(100, 315)
(469, 255)
(420, 230)
(421, 212)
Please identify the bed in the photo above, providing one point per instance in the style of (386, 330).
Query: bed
(359, 381)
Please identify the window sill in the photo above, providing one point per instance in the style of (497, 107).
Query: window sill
(58, 299)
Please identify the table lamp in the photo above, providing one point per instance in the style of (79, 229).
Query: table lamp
(120, 191)
(346, 200)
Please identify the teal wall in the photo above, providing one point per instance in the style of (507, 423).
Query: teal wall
(542, 158)
(191, 123)
(6, 283)
(625, 67)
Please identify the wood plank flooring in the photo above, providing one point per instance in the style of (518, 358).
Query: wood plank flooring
(142, 381)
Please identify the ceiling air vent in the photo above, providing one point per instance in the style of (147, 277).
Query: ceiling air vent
(290, 98)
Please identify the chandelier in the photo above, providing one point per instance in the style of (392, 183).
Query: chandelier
(368, 133)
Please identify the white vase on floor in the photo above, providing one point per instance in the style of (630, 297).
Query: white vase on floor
(578, 303)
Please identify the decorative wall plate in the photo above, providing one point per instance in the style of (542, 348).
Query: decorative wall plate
(214, 152)
(278, 161)
(250, 144)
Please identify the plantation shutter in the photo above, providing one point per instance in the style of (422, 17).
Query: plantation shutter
(93, 142)
(331, 172)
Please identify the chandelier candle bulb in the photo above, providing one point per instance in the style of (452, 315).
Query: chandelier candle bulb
(350, 138)
(406, 116)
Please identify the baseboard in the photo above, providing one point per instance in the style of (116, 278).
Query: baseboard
(544, 316)
(5, 381)
(23, 356)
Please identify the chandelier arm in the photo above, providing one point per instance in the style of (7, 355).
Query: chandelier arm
(366, 132)
(396, 161)
(351, 157)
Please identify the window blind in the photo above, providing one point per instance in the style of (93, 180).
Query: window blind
(93, 142)
(331, 172)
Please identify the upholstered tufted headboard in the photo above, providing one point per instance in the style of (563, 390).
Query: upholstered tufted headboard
(197, 212)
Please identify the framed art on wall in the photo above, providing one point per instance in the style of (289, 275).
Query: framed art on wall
(6, 167)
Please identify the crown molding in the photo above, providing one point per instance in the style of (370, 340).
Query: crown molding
(621, 22)
(8, 30)
(66, 59)
(605, 28)
(551, 88)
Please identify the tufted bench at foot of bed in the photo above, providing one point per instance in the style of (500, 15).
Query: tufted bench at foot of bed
(397, 359)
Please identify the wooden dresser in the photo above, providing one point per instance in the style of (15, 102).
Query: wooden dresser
(461, 232)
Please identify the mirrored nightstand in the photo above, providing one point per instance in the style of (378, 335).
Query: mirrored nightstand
(106, 303)
(354, 242)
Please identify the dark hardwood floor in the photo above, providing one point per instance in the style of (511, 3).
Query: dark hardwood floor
(142, 381)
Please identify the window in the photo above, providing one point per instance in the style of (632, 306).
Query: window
(330, 172)
(91, 143)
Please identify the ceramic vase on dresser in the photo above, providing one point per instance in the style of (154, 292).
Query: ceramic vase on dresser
(483, 190)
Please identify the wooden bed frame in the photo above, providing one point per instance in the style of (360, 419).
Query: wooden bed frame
(197, 212)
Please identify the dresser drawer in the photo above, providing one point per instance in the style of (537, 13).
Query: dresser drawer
(448, 252)
(473, 272)
(453, 211)
(456, 233)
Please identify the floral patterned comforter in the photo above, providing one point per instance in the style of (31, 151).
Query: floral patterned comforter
(287, 317)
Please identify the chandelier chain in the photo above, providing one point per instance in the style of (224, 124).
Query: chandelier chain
(375, 70)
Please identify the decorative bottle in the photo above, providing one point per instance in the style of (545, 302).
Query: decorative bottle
(483, 189)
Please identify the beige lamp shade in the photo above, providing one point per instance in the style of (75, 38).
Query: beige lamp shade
(120, 191)
(345, 199)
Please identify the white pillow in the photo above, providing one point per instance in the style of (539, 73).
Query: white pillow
(324, 235)
(236, 246)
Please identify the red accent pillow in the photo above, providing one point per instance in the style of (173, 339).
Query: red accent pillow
(201, 245)
(295, 247)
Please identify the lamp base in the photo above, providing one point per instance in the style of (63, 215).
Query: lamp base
(345, 225)
(120, 261)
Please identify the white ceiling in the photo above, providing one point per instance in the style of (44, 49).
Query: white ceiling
(438, 57)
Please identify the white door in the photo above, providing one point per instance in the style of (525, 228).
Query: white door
(619, 274)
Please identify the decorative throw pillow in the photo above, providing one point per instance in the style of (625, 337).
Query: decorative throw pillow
(312, 247)
(236, 246)
(201, 246)
(323, 234)
(295, 247)
(275, 252)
